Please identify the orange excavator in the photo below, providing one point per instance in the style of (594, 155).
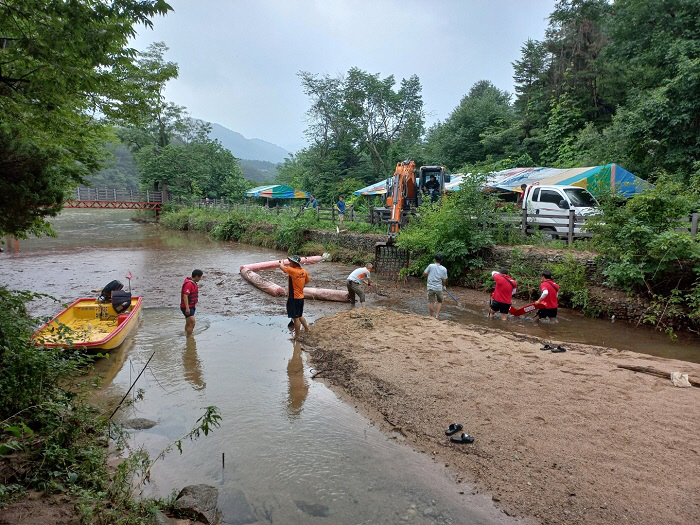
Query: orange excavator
(405, 191)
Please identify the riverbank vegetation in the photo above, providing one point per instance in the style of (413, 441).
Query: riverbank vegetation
(52, 439)
(55, 441)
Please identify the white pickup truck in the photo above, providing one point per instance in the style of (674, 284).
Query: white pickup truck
(557, 201)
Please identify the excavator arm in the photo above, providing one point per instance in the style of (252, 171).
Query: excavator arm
(403, 189)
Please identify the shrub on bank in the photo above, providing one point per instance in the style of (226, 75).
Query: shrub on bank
(51, 438)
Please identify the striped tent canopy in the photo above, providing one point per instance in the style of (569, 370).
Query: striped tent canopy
(378, 188)
(277, 191)
(596, 179)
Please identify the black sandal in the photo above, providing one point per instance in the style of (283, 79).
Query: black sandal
(453, 428)
(464, 438)
(559, 349)
(547, 347)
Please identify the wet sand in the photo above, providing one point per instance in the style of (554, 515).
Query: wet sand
(563, 438)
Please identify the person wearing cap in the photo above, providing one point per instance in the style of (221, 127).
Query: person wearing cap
(548, 299)
(297, 277)
(502, 296)
(355, 280)
(437, 282)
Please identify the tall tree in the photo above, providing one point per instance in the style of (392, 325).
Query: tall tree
(656, 52)
(485, 111)
(359, 125)
(61, 70)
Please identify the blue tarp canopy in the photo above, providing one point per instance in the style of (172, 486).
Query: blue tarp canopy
(596, 179)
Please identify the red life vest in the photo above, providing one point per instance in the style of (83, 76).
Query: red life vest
(192, 290)
(504, 288)
(552, 290)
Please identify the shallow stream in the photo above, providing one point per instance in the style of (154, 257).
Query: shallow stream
(292, 451)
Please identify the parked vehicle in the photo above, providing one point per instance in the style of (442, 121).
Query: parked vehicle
(549, 206)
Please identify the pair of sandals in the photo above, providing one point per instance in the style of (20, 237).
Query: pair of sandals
(463, 438)
(554, 349)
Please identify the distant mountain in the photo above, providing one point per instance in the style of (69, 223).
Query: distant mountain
(260, 171)
(243, 148)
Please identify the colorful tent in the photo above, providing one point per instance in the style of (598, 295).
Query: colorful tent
(277, 191)
(596, 179)
(379, 188)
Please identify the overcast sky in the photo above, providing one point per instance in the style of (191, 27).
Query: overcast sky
(239, 59)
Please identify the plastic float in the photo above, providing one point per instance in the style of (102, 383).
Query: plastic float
(323, 294)
(517, 312)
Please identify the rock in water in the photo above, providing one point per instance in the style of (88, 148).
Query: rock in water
(312, 509)
(198, 502)
(235, 508)
(139, 423)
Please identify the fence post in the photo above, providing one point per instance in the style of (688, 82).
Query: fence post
(318, 213)
(332, 213)
(115, 194)
(694, 224)
(524, 223)
(148, 199)
(570, 239)
(352, 214)
(371, 215)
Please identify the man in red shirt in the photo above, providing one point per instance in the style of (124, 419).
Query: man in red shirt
(188, 299)
(548, 300)
(298, 277)
(502, 296)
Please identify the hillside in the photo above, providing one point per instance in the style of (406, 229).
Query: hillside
(244, 148)
(259, 171)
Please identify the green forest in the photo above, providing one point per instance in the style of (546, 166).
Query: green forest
(608, 82)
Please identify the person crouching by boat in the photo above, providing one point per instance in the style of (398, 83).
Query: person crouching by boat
(106, 293)
(355, 280)
(548, 300)
(188, 299)
(502, 296)
(298, 277)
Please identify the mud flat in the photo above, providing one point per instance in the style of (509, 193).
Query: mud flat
(561, 437)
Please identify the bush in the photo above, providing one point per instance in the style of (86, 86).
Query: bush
(231, 227)
(453, 228)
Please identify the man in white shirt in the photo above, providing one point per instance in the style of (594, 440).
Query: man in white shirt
(355, 280)
(437, 281)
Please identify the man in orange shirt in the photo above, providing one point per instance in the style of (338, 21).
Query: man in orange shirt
(298, 277)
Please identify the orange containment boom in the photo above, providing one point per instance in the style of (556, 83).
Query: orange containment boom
(323, 294)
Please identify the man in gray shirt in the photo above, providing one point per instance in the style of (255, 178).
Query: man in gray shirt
(437, 281)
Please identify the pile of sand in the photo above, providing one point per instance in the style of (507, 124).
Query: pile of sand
(566, 437)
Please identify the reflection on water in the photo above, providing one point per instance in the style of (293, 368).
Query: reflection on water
(295, 454)
(192, 365)
(298, 386)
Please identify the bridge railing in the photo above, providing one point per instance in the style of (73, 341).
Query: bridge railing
(114, 195)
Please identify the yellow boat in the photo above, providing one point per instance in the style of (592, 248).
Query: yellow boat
(87, 323)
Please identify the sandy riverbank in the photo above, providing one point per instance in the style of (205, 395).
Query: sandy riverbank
(563, 438)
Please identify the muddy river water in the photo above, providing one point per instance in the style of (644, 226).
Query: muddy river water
(294, 452)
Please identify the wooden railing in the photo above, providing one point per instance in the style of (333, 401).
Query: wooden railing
(114, 195)
(569, 227)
